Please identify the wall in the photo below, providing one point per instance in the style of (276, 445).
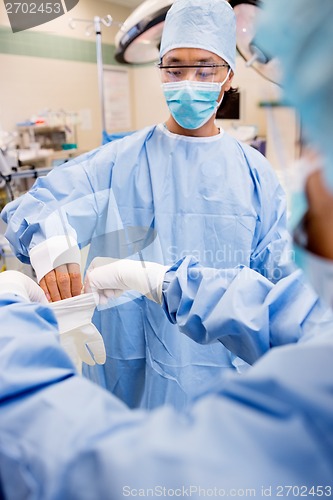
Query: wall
(53, 66)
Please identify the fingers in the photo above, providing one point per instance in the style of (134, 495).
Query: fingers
(62, 283)
(90, 281)
(43, 286)
(101, 295)
(75, 279)
(104, 276)
(50, 286)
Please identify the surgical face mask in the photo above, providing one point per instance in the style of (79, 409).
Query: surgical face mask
(192, 103)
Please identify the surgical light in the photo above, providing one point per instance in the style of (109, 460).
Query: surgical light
(246, 12)
(139, 37)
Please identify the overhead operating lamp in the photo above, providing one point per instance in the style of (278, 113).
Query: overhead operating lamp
(138, 40)
(246, 12)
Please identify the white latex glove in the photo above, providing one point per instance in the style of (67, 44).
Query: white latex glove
(20, 284)
(78, 336)
(109, 278)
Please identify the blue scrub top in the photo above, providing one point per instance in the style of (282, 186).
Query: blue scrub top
(160, 196)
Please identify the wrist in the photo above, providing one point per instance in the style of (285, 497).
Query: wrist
(52, 253)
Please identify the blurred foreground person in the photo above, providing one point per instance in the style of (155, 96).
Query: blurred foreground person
(264, 433)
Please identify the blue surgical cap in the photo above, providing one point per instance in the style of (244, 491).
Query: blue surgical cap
(201, 24)
(300, 34)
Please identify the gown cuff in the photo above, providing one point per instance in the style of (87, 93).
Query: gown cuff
(54, 252)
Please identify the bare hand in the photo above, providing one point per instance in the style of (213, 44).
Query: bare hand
(63, 282)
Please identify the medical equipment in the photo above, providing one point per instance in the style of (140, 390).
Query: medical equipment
(10, 172)
(11, 167)
(5, 168)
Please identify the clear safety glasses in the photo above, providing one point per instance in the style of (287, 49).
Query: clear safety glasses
(198, 72)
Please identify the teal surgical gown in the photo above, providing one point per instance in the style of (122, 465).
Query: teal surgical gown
(160, 196)
(267, 432)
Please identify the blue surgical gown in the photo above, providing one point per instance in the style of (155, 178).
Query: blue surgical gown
(267, 432)
(160, 196)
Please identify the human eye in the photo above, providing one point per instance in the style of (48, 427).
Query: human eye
(206, 73)
(175, 73)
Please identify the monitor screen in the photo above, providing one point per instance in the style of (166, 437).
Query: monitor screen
(230, 108)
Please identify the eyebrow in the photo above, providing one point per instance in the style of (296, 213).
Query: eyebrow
(203, 60)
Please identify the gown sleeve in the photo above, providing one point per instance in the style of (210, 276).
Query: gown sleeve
(41, 222)
(239, 307)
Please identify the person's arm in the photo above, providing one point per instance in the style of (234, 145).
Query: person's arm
(61, 436)
(57, 216)
(238, 307)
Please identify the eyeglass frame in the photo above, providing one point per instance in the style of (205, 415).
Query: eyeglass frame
(160, 65)
(193, 66)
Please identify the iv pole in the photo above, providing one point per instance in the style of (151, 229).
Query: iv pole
(97, 23)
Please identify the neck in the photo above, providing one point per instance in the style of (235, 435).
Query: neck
(207, 130)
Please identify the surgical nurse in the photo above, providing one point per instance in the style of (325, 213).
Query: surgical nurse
(179, 187)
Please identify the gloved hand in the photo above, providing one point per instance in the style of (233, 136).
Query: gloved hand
(78, 336)
(20, 284)
(108, 278)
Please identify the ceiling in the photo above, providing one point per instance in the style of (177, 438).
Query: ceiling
(131, 4)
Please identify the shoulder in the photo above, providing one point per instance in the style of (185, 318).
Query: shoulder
(132, 138)
(258, 164)
(254, 157)
(129, 142)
